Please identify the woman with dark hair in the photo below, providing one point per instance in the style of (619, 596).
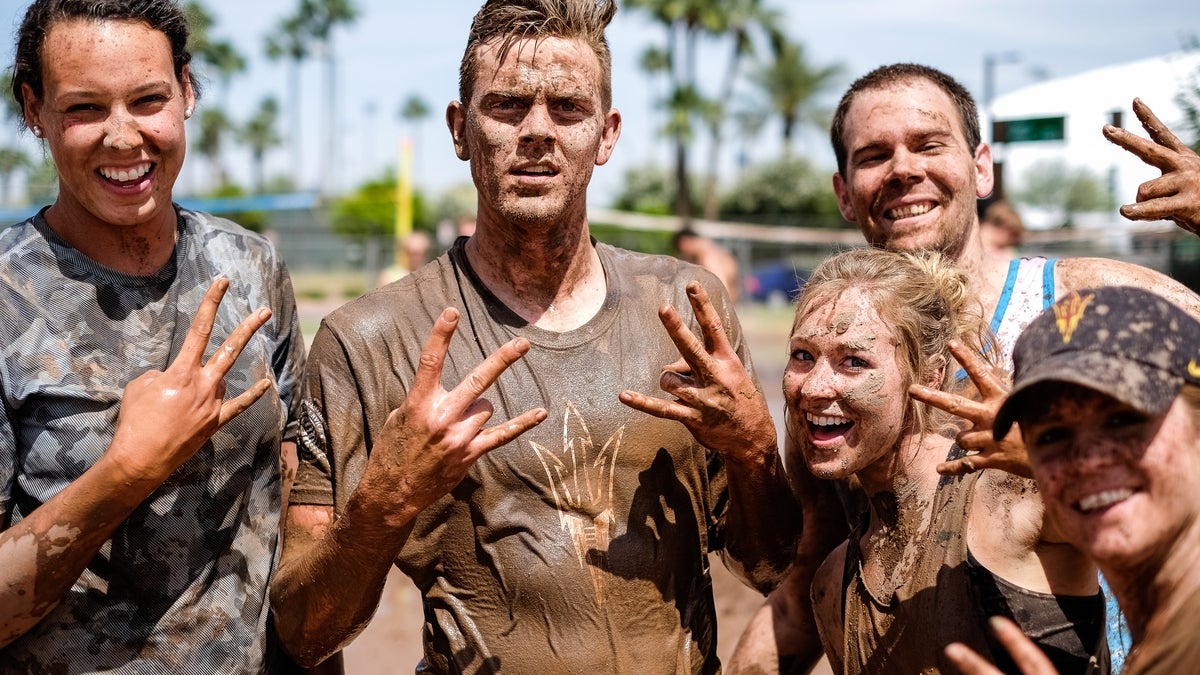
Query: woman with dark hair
(147, 410)
(1106, 392)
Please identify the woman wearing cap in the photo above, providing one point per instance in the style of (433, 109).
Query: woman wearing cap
(1107, 396)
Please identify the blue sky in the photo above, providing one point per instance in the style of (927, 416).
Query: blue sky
(402, 47)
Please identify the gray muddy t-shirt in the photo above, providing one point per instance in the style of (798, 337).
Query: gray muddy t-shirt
(181, 587)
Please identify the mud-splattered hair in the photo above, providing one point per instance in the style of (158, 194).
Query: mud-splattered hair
(926, 302)
(164, 16)
(506, 21)
(899, 74)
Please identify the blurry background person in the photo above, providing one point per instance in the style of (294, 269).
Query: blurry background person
(935, 555)
(710, 255)
(140, 480)
(1001, 230)
(414, 252)
(1107, 395)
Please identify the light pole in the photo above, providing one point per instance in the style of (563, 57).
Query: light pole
(990, 61)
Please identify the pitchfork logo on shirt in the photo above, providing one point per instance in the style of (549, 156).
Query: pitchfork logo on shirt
(1068, 312)
(581, 480)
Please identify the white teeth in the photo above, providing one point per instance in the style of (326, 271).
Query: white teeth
(909, 211)
(1103, 499)
(122, 175)
(826, 420)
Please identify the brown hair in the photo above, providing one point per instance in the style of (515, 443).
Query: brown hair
(1002, 215)
(925, 301)
(164, 16)
(896, 75)
(506, 21)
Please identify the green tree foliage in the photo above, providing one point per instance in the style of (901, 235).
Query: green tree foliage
(370, 211)
(1058, 186)
(780, 190)
(647, 189)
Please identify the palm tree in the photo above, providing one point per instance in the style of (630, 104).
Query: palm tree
(259, 135)
(319, 19)
(686, 23)
(214, 128)
(791, 85)
(219, 55)
(738, 20)
(288, 42)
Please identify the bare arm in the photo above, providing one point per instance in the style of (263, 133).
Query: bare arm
(165, 417)
(717, 400)
(1078, 273)
(783, 636)
(1176, 194)
(333, 570)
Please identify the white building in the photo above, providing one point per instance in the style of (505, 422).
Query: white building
(1087, 101)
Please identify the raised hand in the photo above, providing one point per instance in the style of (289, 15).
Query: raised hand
(166, 416)
(430, 442)
(715, 396)
(1176, 194)
(1026, 655)
(1008, 454)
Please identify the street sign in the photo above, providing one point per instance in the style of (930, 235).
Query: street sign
(1029, 129)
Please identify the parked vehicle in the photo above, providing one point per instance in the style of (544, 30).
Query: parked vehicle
(776, 284)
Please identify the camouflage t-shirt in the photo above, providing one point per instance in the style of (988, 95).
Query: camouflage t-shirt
(580, 547)
(181, 587)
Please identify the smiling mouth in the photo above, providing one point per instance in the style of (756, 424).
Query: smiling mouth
(1103, 500)
(126, 176)
(827, 427)
(908, 211)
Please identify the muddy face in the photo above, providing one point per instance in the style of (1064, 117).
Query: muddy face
(1120, 483)
(911, 178)
(534, 129)
(843, 387)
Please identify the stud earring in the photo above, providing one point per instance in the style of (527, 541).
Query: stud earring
(187, 112)
(37, 131)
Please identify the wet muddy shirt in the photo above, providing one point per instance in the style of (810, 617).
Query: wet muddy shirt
(181, 587)
(580, 547)
(949, 597)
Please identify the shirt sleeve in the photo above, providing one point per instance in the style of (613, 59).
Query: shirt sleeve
(331, 436)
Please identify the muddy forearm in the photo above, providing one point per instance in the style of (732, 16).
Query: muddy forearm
(763, 523)
(42, 556)
(332, 574)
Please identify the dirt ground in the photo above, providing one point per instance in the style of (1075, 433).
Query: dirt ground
(391, 643)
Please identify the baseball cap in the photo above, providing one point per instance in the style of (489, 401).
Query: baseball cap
(1126, 342)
